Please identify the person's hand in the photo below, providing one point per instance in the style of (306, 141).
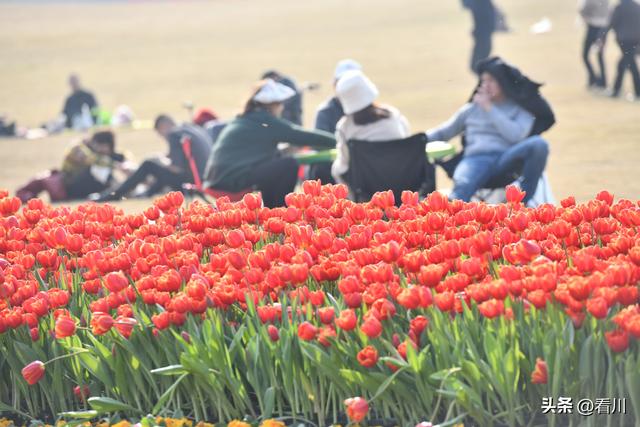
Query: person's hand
(482, 99)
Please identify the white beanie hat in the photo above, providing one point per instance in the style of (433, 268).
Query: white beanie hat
(273, 91)
(355, 91)
(345, 65)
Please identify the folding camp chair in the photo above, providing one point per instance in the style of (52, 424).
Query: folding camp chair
(396, 165)
(197, 188)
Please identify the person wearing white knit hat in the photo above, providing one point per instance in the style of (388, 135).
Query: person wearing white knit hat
(364, 119)
(327, 116)
(330, 111)
(246, 153)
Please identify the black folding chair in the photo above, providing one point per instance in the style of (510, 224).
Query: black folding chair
(396, 165)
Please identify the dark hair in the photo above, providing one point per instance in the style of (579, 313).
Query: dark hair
(162, 118)
(105, 137)
(370, 114)
(271, 74)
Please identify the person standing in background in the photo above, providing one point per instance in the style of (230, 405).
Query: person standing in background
(79, 106)
(484, 25)
(625, 21)
(595, 14)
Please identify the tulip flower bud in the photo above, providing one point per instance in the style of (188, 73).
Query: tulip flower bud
(357, 408)
(33, 372)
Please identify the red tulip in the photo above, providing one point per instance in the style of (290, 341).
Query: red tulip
(116, 281)
(618, 340)
(418, 324)
(65, 327)
(371, 327)
(632, 325)
(444, 301)
(101, 323)
(598, 307)
(307, 332)
(347, 320)
(161, 321)
(491, 308)
(33, 372)
(539, 374)
(368, 356)
(235, 238)
(81, 393)
(252, 201)
(514, 194)
(357, 408)
(409, 298)
(125, 325)
(274, 335)
(326, 315)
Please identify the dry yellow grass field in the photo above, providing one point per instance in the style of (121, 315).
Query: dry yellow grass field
(153, 55)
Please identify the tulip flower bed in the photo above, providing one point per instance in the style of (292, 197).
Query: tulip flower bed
(324, 311)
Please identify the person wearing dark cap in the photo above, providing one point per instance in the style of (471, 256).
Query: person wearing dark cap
(484, 25)
(79, 106)
(292, 106)
(173, 170)
(502, 125)
(246, 154)
(625, 21)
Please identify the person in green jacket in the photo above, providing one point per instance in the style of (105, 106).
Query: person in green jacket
(246, 154)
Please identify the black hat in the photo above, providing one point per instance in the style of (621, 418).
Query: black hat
(515, 85)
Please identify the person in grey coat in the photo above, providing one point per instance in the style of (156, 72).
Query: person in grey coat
(501, 126)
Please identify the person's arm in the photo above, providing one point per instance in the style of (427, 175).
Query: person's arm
(452, 127)
(512, 129)
(66, 111)
(91, 101)
(296, 135)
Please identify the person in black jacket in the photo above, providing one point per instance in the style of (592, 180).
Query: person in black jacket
(484, 25)
(625, 21)
(173, 170)
(292, 106)
(77, 101)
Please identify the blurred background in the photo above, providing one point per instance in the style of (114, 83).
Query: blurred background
(156, 55)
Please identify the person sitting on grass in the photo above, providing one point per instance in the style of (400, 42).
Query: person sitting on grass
(87, 168)
(364, 119)
(173, 170)
(246, 154)
(501, 126)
